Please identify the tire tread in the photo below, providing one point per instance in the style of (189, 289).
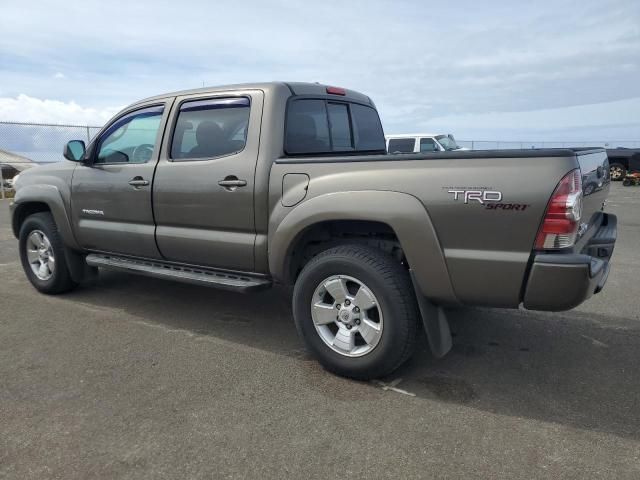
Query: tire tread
(62, 279)
(397, 280)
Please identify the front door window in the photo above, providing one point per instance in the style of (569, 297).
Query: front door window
(132, 138)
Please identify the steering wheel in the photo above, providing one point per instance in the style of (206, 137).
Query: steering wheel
(142, 153)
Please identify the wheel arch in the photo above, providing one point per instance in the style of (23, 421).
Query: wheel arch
(394, 216)
(624, 161)
(32, 199)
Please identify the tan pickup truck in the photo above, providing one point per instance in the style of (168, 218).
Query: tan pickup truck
(241, 187)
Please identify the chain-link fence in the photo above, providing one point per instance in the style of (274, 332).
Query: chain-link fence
(41, 142)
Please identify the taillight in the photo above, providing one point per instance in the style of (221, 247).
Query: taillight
(562, 218)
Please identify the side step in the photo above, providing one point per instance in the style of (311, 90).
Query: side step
(197, 275)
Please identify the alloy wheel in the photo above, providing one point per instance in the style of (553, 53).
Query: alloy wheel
(347, 315)
(40, 255)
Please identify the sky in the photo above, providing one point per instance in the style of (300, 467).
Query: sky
(492, 70)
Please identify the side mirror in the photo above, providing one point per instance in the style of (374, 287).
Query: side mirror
(74, 150)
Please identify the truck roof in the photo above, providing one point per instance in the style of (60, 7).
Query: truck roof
(413, 135)
(296, 88)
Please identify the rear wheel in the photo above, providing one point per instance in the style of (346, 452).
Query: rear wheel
(617, 171)
(42, 255)
(355, 309)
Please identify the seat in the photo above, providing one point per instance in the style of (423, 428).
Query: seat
(303, 137)
(210, 140)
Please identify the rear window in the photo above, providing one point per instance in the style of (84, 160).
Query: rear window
(401, 145)
(317, 126)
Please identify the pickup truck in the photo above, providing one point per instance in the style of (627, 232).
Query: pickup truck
(421, 143)
(619, 161)
(243, 187)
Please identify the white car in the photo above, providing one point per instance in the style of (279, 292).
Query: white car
(421, 142)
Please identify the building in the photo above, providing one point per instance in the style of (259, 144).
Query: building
(12, 164)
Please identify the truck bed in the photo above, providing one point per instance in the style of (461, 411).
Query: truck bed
(487, 250)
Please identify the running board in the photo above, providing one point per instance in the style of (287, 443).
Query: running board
(183, 273)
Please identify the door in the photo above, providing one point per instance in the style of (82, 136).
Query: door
(111, 194)
(204, 185)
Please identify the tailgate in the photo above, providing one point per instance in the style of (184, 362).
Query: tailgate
(594, 167)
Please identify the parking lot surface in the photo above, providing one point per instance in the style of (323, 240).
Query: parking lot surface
(142, 378)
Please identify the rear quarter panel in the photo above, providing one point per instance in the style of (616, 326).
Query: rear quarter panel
(486, 250)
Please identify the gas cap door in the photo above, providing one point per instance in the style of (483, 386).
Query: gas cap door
(294, 188)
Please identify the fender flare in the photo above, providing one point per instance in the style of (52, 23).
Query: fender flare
(49, 195)
(404, 213)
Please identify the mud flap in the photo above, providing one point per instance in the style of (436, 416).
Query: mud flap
(78, 269)
(435, 323)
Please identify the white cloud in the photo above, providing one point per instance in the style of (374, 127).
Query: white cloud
(417, 60)
(24, 108)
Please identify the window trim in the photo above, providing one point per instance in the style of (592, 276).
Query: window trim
(95, 151)
(327, 100)
(176, 116)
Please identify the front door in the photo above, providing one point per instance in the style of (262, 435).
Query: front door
(111, 194)
(204, 185)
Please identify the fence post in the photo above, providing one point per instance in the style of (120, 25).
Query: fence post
(1, 182)
(472, 146)
(88, 135)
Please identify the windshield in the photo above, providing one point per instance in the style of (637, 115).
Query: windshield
(448, 142)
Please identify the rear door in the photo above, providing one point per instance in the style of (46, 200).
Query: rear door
(111, 197)
(204, 183)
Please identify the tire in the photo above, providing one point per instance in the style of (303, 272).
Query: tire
(626, 182)
(40, 243)
(385, 283)
(617, 171)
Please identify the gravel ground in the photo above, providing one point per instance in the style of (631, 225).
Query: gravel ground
(142, 378)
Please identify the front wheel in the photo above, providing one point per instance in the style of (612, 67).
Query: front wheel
(42, 255)
(355, 309)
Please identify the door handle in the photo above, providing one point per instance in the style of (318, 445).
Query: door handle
(232, 182)
(138, 182)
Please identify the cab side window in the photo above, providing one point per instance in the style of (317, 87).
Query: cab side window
(401, 145)
(210, 128)
(132, 138)
(428, 145)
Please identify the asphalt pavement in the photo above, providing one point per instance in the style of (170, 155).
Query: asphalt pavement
(142, 378)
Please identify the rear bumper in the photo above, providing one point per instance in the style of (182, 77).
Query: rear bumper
(561, 281)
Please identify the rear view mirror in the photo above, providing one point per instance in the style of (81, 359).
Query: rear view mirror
(74, 150)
